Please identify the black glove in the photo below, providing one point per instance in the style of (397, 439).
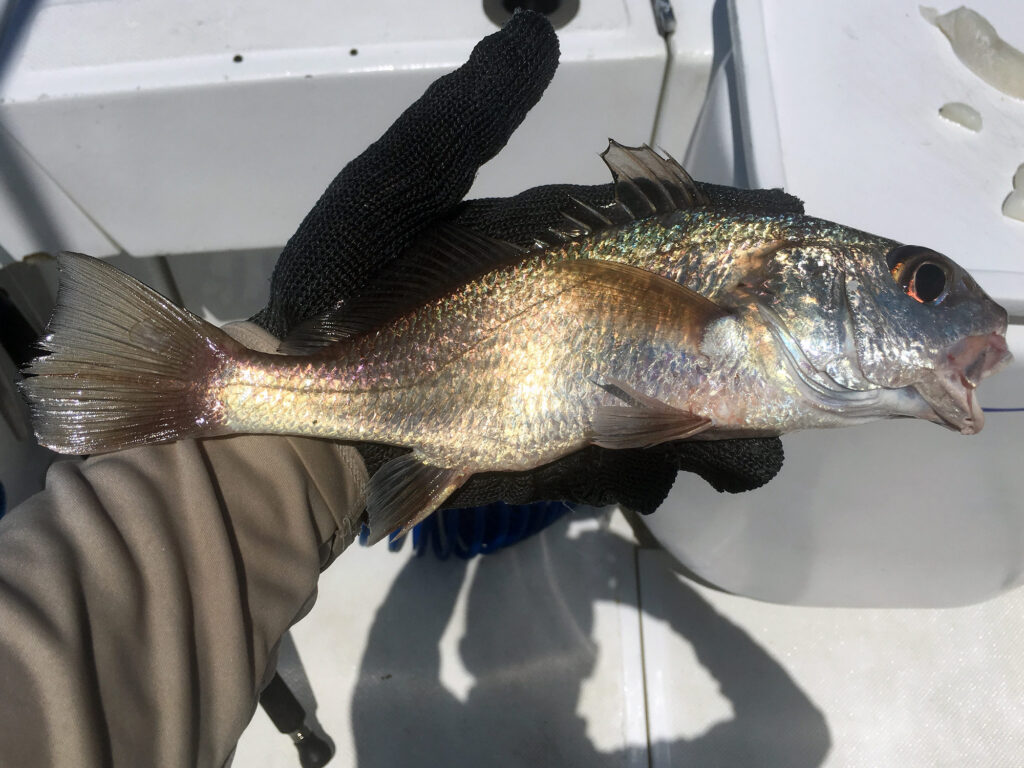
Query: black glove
(415, 176)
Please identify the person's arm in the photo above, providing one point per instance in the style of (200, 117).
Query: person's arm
(143, 594)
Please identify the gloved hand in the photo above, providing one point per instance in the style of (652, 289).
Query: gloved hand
(415, 176)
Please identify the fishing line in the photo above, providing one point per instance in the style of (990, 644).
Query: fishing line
(1002, 410)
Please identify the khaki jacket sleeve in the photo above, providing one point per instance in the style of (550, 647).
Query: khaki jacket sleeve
(143, 594)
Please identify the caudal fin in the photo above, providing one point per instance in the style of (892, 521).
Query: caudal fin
(126, 366)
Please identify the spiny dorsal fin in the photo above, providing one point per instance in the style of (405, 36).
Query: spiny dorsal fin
(440, 261)
(649, 184)
(646, 184)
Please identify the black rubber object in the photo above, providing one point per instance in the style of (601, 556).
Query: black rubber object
(418, 170)
(415, 176)
(288, 716)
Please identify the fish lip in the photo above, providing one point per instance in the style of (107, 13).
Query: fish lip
(950, 393)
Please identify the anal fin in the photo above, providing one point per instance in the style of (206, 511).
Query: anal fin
(643, 421)
(405, 491)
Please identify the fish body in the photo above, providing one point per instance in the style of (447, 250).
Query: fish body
(504, 374)
(658, 318)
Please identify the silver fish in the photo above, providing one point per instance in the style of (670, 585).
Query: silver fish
(657, 318)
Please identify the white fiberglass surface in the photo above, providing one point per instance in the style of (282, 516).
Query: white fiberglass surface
(577, 647)
(846, 99)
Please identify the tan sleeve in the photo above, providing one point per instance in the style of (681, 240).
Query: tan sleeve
(143, 594)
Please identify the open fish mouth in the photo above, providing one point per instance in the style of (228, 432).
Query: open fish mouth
(950, 393)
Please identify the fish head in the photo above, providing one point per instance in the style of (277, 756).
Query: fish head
(922, 324)
(872, 328)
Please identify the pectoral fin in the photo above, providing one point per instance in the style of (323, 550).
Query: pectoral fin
(405, 491)
(644, 421)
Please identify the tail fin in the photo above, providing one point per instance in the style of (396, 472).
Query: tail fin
(126, 366)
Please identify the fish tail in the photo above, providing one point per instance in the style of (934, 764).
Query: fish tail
(125, 367)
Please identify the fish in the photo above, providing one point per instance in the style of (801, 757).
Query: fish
(658, 317)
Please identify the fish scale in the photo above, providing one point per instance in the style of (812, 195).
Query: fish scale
(498, 393)
(640, 323)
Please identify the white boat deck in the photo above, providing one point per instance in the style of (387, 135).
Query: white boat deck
(578, 647)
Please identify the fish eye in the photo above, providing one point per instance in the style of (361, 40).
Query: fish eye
(927, 283)
(923, 274)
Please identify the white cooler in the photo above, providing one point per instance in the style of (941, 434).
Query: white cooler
(838, 103)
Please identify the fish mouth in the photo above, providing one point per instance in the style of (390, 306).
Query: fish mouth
(950, 392)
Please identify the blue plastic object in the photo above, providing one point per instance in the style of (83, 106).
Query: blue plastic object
(467, 533)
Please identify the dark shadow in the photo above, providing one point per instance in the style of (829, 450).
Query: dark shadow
(231, 285)
(15, 22)
(27, 294)
(529, 648)
(717, 148)
(15, 19)
(293, 672)
(774, 723)
(28, 200)
(724, 56)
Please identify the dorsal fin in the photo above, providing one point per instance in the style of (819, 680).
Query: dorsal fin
(649, 184)
(443, 259)
(646, 184)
